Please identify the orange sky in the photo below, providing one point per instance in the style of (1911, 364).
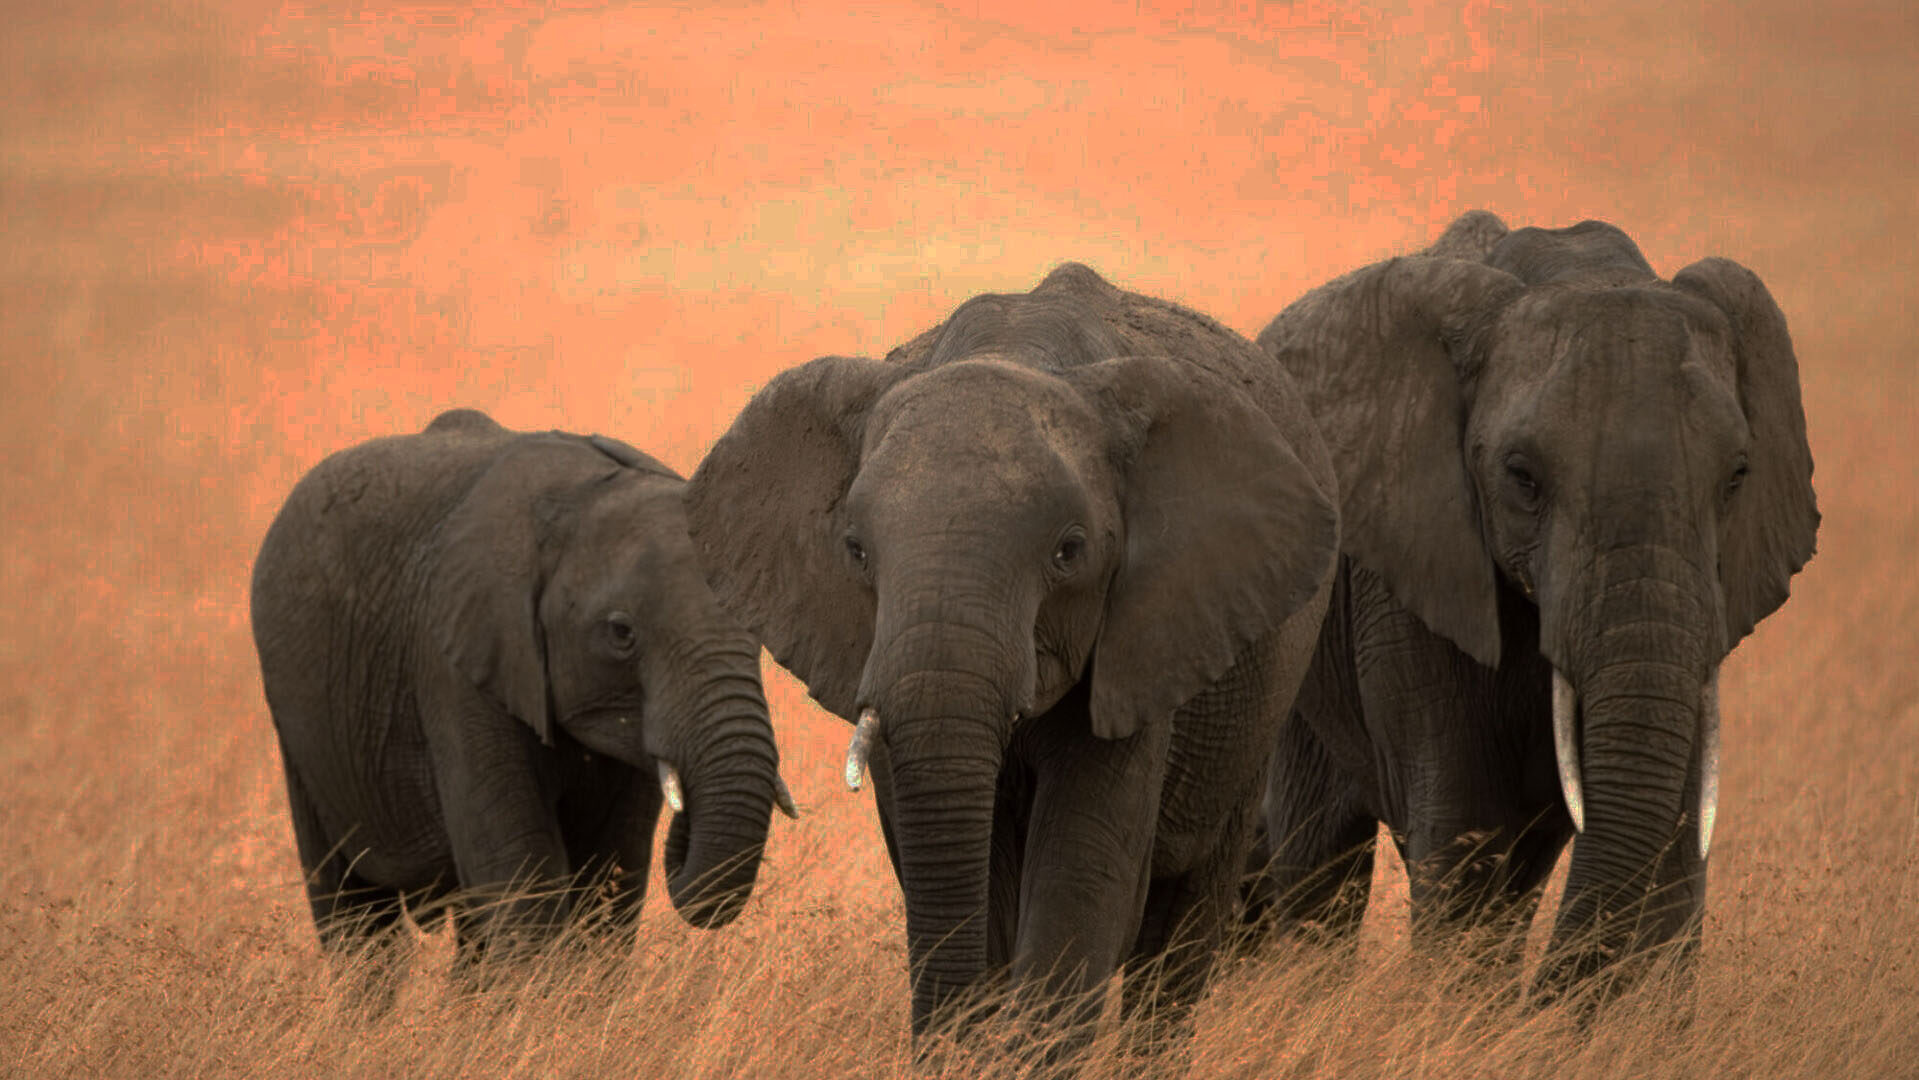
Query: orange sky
(237, 239)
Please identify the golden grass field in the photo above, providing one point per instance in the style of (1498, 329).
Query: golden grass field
(236, 239)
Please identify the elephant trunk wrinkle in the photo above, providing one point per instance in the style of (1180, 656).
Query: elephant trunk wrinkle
(1637, 637)
(952, 661)
(1640, 720)
(729, 783)
(960, 641)
(944, 762)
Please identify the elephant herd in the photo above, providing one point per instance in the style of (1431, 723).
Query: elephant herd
(1143, 628)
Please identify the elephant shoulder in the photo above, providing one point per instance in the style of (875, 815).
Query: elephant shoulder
(1156, 326)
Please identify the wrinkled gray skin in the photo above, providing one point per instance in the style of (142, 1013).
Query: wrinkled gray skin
(478, 646)
(1073, 548)
(1549, 459)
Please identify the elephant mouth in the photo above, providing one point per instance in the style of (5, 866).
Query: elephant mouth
(860, 747)
(1567, 732)
(674, 791)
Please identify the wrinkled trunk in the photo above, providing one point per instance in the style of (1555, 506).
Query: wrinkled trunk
(945, 771)
(952, 662)
(728, 766)
(1638, 659)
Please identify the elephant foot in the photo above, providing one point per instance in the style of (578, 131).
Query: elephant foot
(369, 995)
(1586, 983)
(369, 976)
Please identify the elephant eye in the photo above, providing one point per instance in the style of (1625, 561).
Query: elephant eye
(1523, 481)
(1067, 553)
(621, 632)
(1738, 477)
(856, 551)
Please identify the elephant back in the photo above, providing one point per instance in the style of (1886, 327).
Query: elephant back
(1591, 253)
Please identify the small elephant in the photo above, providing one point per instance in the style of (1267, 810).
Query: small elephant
(487, 654)
(1568, 489)
(1062, 559)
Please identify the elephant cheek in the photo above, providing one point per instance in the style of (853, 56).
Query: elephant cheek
(621, 737)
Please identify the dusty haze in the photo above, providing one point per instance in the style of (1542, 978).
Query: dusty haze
(238, 239)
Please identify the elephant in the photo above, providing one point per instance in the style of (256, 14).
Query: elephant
(1062, 560)
(1568, 489)
(488, 655)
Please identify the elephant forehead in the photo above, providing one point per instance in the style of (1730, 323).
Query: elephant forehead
(977, 448)
(986, 409)
(1591, 336)
(1622, 374)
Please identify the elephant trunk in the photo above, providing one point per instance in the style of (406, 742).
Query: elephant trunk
(1635, 721)
(728, 770)
(950, 669)
(945, 771)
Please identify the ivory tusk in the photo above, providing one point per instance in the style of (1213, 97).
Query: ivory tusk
(860, 747)
(783, 798)
(1566, 747)
(670, 784)
(1708, 762)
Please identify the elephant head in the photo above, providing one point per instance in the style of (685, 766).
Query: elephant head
(1543, 413)
(566, 590)
(948, 544)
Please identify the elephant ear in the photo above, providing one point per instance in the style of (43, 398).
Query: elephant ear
(1226, 533)
(624, 454)
(1369, 352)
(484, 593)
(1775, 521)
(764, 513)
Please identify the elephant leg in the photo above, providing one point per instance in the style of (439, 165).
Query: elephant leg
(1318, 878)
(358, 922)
(1185, 924)
(880, 767)
(515, 876)
(1012, 814)
(1481, 887)
(608, 829)
(1669, 923)
(1086, 870)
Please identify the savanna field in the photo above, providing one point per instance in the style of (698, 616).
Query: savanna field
(235, 239)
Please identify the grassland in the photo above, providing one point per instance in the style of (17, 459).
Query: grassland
(235, 239)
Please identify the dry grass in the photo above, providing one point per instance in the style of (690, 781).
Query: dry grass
(235, 240)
